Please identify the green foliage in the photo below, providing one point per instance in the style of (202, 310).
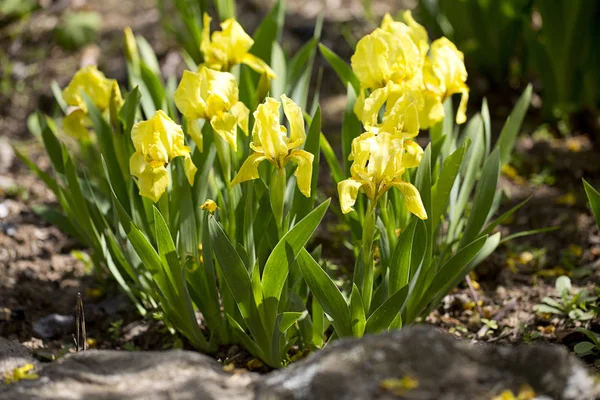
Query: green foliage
(579, 306)
(554, 40)
(77, 29)
(237, 251)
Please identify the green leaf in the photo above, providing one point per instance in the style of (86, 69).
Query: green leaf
(357, 312)
(288, 319)
(298, 63)
(509, 133)
(302, 205)
(400, 263)
(583, 348)
(147, 54)
(47, 179)
(129, 109)
(593, 336)
(504, 217)
(441, 190)
(56, 218)
(343, 70)
(154, 85)
(528, 233)
(332, 161)
(594, 199)
(351, 128)
(327, 293)
(484, 198)
(487, 126)
(104, 134)
(285, 252)
(77, 29)
(488, 248)
(278, 65)
(225, 9)
(454, 269)
(246, 341)
(268, 32)
(469, 169)
(237, 279)
(385, 314)
(53, 146)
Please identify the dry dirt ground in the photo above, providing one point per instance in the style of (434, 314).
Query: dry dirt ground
(42, 270)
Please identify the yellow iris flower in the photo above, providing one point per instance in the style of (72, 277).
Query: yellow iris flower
(444, 74)
(384, 56)
(230, 47)
(401, 116)
(380, 160)
(271, 142)
(212, 95)
(99, 88)
(157, 141)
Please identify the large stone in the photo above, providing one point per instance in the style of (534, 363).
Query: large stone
(95, 375)
(442, 367)
(13, 355)
(415, 363)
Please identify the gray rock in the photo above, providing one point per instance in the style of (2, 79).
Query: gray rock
(13, 355)
(53, 325)
(444, 367)
(104, 375)
(373, 367)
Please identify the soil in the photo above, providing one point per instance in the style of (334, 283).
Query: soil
(42, 270)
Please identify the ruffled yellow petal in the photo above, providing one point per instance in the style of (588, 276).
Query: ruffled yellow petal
(137, 164)
(93, 83)
(412, 154)
(74, 124)
(196, 133)
(417, 32)
(160, 139)
(249, 169)
(348, 191)
(242, 115)
(153, 182)
(226, 126)
(267, 135)
(221, 91)
(190, 169)
(303, 173)
(433, 110)
(402, 114)
(232, 40)
(293, 113)
(372, 105)
(205, 42)
(258, 65)
(370, 60)
(461, 113)
(188, 96)
(412, 198)
(359, 104)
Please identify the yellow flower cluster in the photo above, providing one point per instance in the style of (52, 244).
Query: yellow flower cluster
(230, 46)
(380, 160)
(271, 142)
(101, 90)
(213, 96)
(157, 141)
(400, 73)
(396, 59)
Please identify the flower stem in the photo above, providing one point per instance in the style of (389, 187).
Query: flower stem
(277, 196)
(367, 245)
